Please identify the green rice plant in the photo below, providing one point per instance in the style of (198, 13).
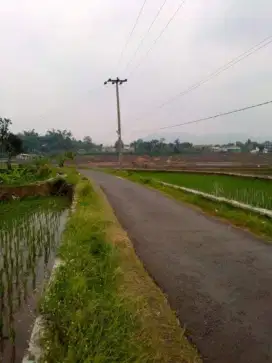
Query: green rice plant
(29, 234)
(255, 192)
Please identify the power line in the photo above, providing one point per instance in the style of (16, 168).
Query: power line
(219, 70)
(223, 68)
(217, 115)
(265, 42)
(146, 34)
(206, 118)
(160, 35)
(132, 31)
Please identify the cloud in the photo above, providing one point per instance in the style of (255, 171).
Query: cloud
(56, 55)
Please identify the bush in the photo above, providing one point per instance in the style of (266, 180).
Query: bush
(40, 161)
(70, 155)
(44, 171)
(85, 189)
(145, 180)
(61, 160)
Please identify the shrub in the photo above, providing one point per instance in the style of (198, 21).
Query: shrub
(44, 171)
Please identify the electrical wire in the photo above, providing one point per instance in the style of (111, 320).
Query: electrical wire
(132, 31)
(217, 115)
(145, 35)
(265, 42)
(157, 39)
(222, 69)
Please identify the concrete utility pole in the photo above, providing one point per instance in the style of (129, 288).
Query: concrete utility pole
(118, 82)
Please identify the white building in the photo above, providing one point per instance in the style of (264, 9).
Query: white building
(25, 156)
(128, 149)
(268, 146)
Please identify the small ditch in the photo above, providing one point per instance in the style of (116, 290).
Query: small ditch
(30, 234)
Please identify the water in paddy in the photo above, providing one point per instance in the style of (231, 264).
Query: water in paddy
(30, 233)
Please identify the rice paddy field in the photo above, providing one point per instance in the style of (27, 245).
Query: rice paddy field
(251, 191)
(29, 235)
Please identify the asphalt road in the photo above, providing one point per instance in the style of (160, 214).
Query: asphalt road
(216, 277)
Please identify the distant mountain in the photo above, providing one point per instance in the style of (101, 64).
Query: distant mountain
(206, 138)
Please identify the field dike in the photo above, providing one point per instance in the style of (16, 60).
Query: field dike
(234, 203)
(52, 186)
(101, 305)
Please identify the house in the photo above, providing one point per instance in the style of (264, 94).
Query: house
(128, 149)
(25, 156)
(225, 149)
(108, 149)
(268, 146)
(218, 149)
(255, 151)
(233, 149)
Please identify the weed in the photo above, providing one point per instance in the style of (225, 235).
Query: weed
(86, 320)
(89, 314)
(145, 180)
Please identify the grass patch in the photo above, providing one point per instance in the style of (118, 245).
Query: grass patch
(255, 192)
(102, 305)
(253, 222)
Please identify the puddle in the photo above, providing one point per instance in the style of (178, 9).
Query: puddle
(30, 233)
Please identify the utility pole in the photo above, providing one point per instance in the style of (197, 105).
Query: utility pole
(118, 82)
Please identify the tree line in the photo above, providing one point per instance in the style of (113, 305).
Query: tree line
(161, 147)
(56, 141)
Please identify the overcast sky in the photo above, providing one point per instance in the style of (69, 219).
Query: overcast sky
(56, 54)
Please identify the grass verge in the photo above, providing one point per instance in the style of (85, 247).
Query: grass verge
(259, 225)
(102, 306)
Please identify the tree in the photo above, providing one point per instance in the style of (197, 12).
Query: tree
(87, 140)
(10, 144)
(14, 146)
(186, 145)
(4, 133)
(88, 143)
(31, 141)
(116, 145)
(176, 146)
(57, 140)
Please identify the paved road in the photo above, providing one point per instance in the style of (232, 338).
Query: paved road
(217, 278)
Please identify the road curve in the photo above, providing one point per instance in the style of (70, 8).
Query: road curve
(216, 277)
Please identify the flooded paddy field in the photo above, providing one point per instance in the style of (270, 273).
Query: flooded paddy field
(30, 232)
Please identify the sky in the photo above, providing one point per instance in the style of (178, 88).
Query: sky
(56, 54)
